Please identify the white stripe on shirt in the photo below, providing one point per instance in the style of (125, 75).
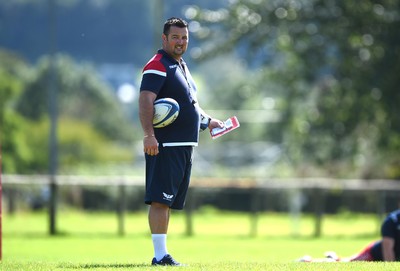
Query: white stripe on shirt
(180, 144)
(155, 72)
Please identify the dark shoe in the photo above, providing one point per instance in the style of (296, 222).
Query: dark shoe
(166, 260)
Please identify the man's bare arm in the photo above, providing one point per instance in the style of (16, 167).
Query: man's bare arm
(388, 249)
(146, 113)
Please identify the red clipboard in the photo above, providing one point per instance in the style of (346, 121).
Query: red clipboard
(230, 124)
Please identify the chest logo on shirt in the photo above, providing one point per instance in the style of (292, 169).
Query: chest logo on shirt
(173, 66)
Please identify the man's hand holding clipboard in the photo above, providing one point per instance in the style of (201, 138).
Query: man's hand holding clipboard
(229, 125)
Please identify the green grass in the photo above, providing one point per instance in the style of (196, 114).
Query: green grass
(89, 241)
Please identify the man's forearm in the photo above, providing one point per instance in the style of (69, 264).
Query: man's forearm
(388, 249)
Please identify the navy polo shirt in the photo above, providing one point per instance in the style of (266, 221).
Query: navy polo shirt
(164, 76)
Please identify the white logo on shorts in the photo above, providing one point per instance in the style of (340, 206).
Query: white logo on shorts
(167, 197)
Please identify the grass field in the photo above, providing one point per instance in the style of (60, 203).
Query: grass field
(89, 241)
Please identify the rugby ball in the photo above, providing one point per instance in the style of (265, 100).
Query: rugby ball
(166, 110)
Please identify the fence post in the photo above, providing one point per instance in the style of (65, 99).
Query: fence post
(121, 208)
(319, 206)
(295, 206)
(381, 208)
(255, 205)
(11, 200)
(190, 205)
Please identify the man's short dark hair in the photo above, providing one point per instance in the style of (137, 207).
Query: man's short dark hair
(173, 21)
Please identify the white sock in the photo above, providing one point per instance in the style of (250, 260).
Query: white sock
(160, 245)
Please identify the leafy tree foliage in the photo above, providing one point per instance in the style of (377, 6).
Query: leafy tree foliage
(81, 95)
(91, 129)
(15, 151)
(79, 144)
(334, 66)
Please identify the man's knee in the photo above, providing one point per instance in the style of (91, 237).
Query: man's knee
(159, 206)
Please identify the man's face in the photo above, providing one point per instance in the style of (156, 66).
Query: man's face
(175, 43)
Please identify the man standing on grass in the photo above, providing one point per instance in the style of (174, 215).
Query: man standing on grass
(169, 150)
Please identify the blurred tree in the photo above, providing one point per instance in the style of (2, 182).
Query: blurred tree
(103, 31)
(92, 128)
(80, 146)
(233, 88)
(82, 95)
(16, 152)
(334, 68)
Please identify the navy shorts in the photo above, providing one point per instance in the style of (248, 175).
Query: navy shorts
(168, 176)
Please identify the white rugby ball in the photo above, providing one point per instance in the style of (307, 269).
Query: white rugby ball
(166, 110)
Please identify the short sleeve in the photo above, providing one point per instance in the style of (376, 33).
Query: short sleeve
(153, 75)
(388, 228)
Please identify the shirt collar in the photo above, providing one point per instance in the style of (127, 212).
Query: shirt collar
(161, 51)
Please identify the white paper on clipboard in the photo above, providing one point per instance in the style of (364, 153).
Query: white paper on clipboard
(230, 124)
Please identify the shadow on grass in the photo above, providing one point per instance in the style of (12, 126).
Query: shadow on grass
(103, 265)
(83, 235)
(322, 237)
(109, 235)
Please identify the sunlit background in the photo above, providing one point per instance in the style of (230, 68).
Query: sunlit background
(314, 84)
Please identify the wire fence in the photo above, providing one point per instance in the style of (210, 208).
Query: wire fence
(294, 196)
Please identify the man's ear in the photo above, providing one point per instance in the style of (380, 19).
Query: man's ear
(164, 37)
